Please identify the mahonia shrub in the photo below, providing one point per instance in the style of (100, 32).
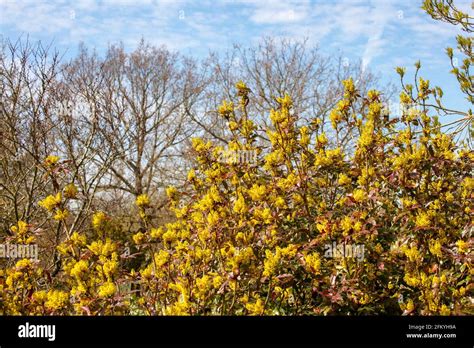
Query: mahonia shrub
(253, 237)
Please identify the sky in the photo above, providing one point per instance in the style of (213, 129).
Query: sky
(382, 34)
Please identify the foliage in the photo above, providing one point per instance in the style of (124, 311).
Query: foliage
(262, 237)
(251, 238)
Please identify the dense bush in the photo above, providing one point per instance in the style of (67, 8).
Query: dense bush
(251, 238)
(370, 213)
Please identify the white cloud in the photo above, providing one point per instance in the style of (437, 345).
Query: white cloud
(277, 12)
(371, 29)
(380, 15)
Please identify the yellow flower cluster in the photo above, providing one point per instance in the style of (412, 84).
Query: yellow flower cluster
(51, 202)
(320, 226)
(142, 201)
(51, 160)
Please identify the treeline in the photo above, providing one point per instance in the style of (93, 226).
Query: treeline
(121, 123)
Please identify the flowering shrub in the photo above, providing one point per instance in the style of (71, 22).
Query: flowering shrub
(252, 238)
(311, 226)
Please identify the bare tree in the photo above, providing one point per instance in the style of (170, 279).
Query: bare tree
(273, 68)
(136, 105)
(29, 126)
(121, 123)
(27, 81)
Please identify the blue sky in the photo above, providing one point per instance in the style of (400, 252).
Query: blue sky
(383, 33)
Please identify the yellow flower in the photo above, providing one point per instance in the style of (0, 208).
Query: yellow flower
(408, 202)
(313, 263)
(217, 281)
(322, 225)
(273, 159)
(156, 233)
(289, 251)
(304, 139)
(56, 299)
(181, 307)
(20, 229)
(40, 296)
(50, 202)
(191, 175)
(256, 308)
(449, 197)
(359, 195)
(142, 201)
(225, 109)
(257, 192)
(378, 248)
(98, 220)
(169, 236)
(61, 214)
(462, 246)
(138, 238)
(445, 310)
(79, 239)
(343, 179)
(280, 202)
(271, 262)
(107, 289)
(51, 160)
(322, 139)
(161, 258)
(410, 305)
(364, 299)
(412, 253)
(81, 267)
(346, 224)
(365, 175)
(233, 125)
(242, 88)
(349, 87)
(203, 285)
(110, 267)
(367, 137)
(171, 192)
(101, 248)
(264, 215)
(198, 144)
(239, 206)
(23, 263)
(147, 272)
(213, 218)
(335, 117)
(287, 183)
(422, 220)
(435, 248)
(285, 102)
(468, 184)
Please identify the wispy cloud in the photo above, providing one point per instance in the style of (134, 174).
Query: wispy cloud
(383, 33)
(278, 12)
